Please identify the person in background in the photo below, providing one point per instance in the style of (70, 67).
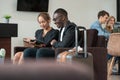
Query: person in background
(110, 24)
(66, 35)
(43, 37)
(109, 27)
(102, 19)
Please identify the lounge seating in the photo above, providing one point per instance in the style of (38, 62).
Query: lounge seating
(97, 46)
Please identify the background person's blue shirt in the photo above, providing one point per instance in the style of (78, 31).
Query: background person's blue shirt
(96, 25)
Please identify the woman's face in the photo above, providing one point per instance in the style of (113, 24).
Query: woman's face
(43, 23)
(111, 21)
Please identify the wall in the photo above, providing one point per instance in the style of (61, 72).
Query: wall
(82, 12)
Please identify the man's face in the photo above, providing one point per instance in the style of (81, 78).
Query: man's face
(58, 20)
(104, 19)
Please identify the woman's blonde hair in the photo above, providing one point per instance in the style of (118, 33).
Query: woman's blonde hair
(108, 27)
(45, 15)
(110, 19)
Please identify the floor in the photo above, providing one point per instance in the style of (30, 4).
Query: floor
(114, 77)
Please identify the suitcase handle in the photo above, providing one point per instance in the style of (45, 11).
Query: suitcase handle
(84, 54)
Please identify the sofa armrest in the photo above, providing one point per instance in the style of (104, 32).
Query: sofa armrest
(99, 62)
(19, 49)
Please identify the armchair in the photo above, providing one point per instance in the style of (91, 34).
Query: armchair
(114, 50)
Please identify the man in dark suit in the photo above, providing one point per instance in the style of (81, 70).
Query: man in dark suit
(67, 29)
(66, 34)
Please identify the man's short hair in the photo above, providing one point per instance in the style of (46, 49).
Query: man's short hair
(61, 11)
(102, 13)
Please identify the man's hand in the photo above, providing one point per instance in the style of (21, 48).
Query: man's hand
(53, 41)
(41, 45)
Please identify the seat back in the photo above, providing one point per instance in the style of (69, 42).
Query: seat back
(101, 41)
(92, 36)
(114, 44)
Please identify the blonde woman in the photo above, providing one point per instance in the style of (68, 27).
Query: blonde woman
(110, 24)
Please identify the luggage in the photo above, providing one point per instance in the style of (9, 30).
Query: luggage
(73, 55)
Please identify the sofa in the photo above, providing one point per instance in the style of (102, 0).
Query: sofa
(95, 45)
